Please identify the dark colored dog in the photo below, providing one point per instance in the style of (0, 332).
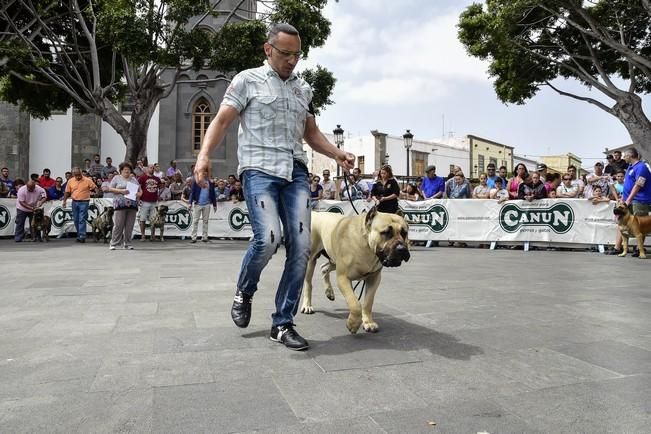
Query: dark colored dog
(40, 225)
(158, 221)
(630, 225)
(103, 225)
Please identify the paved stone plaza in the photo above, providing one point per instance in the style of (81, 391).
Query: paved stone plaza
(471, 341)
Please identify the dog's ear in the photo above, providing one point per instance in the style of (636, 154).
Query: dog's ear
(370, 216)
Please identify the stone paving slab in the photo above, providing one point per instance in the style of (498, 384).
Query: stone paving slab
(455, 417)
(142, 341)
(615, 356)
(619, 405)
(220, 407)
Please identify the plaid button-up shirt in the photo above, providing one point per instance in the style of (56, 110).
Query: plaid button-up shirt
(272, 120)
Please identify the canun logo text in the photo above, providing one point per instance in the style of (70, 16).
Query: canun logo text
(558, 217)
(181, 218)
(60, 216)
(436, 218)
(237, 219)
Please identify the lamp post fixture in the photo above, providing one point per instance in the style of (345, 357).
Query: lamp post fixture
(339, 141)
(408, 138)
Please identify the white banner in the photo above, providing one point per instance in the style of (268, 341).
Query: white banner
(575, 221)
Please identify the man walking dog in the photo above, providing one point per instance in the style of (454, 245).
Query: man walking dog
(276, 115)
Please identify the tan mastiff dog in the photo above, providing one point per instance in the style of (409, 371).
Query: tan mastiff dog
(357, 248)
(630, 225)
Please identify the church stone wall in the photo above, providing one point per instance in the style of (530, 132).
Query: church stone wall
(14, 140)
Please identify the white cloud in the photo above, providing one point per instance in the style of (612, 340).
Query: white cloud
(388, 60)
(386, 91)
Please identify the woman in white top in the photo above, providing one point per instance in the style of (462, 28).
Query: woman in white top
(125, 207)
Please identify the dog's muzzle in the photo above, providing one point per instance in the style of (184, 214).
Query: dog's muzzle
(396, 256)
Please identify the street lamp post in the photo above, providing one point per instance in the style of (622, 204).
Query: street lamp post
(339, 141)
(408, 138)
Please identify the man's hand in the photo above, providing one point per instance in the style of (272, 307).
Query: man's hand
(64, 203)
(202, 170)
(346, 160)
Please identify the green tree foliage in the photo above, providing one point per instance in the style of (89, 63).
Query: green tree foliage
(529, 43)
(322, 83)
(93, 53)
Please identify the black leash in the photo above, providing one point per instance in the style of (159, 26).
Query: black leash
(350, 199)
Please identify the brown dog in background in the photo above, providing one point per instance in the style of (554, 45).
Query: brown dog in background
(630, 225)
(40, 225)
(158, 221)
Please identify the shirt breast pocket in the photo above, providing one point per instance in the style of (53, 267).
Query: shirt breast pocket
(265, 105)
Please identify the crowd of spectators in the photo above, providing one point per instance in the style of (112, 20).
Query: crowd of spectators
(602, 184)
(158, 185)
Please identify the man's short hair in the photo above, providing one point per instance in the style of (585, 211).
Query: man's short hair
(502, 167)
(490, 165)
(276, 28)
(633, 153)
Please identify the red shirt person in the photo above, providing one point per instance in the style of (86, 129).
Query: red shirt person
(150, 186)
(45, 181)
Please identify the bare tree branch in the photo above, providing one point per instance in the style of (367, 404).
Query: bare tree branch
(94, 58)
(597, 64)
(234, 11)
(582, 98)
(598, 32)
(578, 71)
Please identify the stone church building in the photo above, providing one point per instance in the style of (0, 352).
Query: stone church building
(27, 145)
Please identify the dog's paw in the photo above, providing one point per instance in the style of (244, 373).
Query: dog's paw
(621, 255)
(371, 327)
(353, 324)
(308, 310)
(330, 294)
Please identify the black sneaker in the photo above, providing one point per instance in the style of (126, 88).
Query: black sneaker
(636, 253)
(614, 251)
(289, 337)
(241, 310)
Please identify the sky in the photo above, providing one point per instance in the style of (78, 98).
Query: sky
(399, 65)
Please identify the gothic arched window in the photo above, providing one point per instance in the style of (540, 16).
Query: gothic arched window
(201, 117)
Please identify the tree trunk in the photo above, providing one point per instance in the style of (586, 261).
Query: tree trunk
(629, 111)
(136, 138)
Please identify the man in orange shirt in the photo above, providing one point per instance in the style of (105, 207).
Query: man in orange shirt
(79, 187)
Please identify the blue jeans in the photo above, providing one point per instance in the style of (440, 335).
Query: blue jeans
(80, 215)
(271, 200)
(21, 216)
